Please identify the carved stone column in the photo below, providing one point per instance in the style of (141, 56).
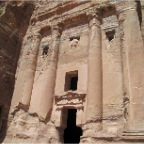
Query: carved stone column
(30, 64)
(133, 66)
(94, 90)
(26, 71)
(47, 93)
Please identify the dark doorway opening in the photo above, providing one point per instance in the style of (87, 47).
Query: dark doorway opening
(72, 133)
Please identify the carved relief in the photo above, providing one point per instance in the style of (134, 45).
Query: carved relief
(70, 98)
(74, 43)
(73, 101)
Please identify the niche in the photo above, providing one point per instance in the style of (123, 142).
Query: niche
(45, 50)
(74, 41)
(74, 37)
(110, 35)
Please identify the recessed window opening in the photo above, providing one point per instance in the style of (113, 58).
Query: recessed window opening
(74, 37)
(71, 80)
(45, 50)
(110, 35)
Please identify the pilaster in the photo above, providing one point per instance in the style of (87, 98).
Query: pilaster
(133, 67)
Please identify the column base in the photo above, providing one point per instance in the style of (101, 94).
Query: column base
(93, 133)
(101, 137)
(124, 137)
(133, 135)
(91, 129)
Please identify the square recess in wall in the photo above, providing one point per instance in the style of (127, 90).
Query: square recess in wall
(71, 80)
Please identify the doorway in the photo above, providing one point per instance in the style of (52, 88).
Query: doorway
(72, 133)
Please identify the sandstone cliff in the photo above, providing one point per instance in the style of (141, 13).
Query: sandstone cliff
(99, 43)
(14, 20)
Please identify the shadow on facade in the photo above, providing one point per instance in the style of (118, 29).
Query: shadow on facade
(72, 133)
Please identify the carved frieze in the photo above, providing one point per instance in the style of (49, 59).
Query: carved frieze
(70, 98)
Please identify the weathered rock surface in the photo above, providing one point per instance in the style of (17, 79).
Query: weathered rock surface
(83, 55)
(13, 26)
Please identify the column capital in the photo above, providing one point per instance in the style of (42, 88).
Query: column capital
(94, 22)
(126, 6)
(123, 7)
(34, 35)
(94, 17)
(56, 30)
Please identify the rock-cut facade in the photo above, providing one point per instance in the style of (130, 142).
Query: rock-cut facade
(81, 63)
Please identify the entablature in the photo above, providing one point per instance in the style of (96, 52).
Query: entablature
(70, 12)
(77, 13)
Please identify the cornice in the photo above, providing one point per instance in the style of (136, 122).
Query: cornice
(58, 10)
(125, 6)
(61, 11)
